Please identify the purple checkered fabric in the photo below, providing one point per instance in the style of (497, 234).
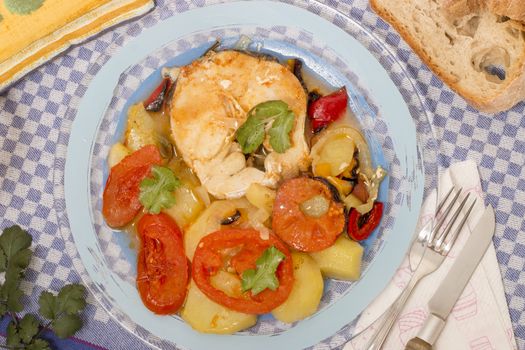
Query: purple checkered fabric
(32, 113)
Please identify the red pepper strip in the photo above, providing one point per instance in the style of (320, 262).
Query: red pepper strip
(361, 226)
(155, 101)
(327, 109)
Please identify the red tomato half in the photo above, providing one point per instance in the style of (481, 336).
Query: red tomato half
(120, 201)
(162, 266)
(235, 251)
(298, 230)
(361, 226)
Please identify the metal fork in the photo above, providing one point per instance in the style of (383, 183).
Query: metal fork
(428, 251)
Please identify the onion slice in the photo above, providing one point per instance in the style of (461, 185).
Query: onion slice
(331, 133)
(372, 184)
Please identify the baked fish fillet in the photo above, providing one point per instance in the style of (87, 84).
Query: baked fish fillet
(212, 98)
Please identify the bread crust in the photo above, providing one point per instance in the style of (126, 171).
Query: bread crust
(514, 93)
(514, 9)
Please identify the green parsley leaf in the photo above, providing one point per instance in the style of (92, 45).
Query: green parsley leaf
(263, 276)
(48, 305)
(38, 344)
(71, 299)
(157, 193)
(3, 261)
(66, 325)
(28, 328)
(3, 309)
(23, 7)
(270, 109)
(251, 134)
(20, 259)
(280, 132)
(13, 240)
(12, 338)
(11, 294)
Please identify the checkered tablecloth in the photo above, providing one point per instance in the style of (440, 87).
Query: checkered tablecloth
(32, 113)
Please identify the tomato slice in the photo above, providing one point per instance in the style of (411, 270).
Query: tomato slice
(235, 251)
(327, 109)
(120, 201)
(301, 231)
(360, 226)
(162, 266)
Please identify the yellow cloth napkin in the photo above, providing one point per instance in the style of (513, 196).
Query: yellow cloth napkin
(34, 31)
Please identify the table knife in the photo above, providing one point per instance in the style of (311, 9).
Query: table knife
(452, 286)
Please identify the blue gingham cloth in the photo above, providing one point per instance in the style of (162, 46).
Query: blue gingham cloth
(32, 113)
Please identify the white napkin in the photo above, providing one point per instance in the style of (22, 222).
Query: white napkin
(480, 320)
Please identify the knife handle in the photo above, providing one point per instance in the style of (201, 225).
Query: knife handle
(417, 344)
(431, 329)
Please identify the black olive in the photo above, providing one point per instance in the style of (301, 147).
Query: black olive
(354, 174)
(231, 219)
(313, 96)
(298, 72)
(333, 190)
(169, 95)
(166, 148)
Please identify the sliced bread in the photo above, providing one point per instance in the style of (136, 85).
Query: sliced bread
(479, 54)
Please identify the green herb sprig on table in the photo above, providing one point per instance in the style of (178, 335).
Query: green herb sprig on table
(61, 311)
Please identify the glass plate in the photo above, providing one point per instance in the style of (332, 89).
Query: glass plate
(332, 46)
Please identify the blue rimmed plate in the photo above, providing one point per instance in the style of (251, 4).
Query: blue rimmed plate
(341, 53)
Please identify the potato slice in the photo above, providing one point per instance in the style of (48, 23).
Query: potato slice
(306, 293)
(140, 128)
(187, 207)
(342, 260)
(117, 152)
(261, 196)
(206, 316)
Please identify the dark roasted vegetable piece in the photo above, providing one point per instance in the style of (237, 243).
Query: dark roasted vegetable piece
(333, 190)
(296, 66)
(352, 175)
(156, 100)
(231, 219)
(313, 96)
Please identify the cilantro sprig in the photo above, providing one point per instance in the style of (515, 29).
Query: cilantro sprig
(263, 276)
(156, 192)
(251, 134)
(61, 311)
